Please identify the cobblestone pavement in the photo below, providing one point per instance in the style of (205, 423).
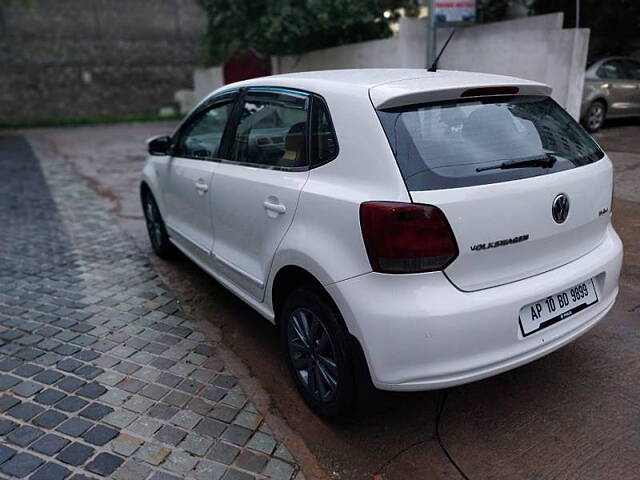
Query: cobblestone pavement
(100, 373)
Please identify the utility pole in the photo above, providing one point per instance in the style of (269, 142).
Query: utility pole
(431, 33)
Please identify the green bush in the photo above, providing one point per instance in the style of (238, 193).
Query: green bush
(286, 27)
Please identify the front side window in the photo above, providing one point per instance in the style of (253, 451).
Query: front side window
(476, 142)
(202, 136)
(612, 69)
(272, 131)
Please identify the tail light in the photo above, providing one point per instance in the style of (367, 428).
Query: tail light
(406, 237)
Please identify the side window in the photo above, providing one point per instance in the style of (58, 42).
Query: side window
(324, 145)
(633, 69)
(202, 136)
(272, 131)
(611, 69)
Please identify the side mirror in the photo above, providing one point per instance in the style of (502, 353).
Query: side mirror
(159, 145)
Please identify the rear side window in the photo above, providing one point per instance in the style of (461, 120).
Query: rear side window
(324, 145)
(465, 143)
(272, 131)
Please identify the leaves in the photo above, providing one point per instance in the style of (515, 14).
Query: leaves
(285, 27)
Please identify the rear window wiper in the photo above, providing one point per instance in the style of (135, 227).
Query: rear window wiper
(545, 161)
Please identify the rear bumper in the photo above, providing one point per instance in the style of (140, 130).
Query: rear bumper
(419, 332)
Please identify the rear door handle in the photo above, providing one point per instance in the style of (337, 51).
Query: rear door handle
(274, 207)
(201, 186)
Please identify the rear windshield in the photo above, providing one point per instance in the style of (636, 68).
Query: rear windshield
(455, 144)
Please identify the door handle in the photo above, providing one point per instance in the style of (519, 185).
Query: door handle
(201, 186)
(274, 207)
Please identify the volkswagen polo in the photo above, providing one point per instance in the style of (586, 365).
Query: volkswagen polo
(416, 229)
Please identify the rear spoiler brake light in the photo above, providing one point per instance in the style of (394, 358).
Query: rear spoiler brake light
(487, 91)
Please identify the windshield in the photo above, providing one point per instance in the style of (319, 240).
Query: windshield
(447, 145)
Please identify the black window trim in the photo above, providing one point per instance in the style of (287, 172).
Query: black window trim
(237, 96)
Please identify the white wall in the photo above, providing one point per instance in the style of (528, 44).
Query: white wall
(375, 53)
(536, 48)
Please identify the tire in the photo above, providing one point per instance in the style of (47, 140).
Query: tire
(316, 347)
(156, 228)
(595, 116)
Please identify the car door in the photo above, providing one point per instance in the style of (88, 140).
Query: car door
(256, 187)
(621, 89)
(188, 180)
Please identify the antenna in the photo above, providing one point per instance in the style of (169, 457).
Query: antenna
(434, 66)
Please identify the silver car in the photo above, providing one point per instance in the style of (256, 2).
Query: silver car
(611, 90)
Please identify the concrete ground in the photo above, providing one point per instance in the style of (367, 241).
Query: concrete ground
(573, 414)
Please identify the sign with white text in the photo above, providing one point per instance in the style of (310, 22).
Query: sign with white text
(454, 12)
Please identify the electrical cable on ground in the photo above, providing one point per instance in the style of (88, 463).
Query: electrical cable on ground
(442, 398)
(440, 403)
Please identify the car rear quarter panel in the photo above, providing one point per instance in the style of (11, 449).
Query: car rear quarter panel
(325, 238)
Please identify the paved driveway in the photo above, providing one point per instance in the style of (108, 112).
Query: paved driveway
(573, 414)
(101, 373)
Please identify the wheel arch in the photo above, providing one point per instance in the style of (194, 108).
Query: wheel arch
(603, 100)
(147, 185)
(145, 188)
(286, 280)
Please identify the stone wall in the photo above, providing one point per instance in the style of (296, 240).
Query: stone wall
(75, 59)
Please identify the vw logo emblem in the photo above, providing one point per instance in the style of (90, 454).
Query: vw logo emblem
(560, 208)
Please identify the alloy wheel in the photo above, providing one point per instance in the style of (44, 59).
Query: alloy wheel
(154, 222)
(595, 118)
(312, 354)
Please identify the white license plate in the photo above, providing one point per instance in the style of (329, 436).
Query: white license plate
(550, 310)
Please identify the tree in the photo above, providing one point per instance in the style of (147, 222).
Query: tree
(285, 27)
(614, 25)
(492, 10)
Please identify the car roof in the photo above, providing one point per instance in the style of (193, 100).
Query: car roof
(386, 86)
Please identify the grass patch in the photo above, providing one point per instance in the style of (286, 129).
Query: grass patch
(106, 119)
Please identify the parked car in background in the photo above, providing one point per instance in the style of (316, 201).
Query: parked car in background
(611, 90)
(415, 229)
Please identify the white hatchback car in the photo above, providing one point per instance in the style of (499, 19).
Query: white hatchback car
(423, 229)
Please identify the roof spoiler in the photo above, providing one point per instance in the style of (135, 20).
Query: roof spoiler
(415, 92)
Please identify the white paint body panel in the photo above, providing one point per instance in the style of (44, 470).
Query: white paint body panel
(187, 209)
(247, 233)
(419, 331)
(488, 213)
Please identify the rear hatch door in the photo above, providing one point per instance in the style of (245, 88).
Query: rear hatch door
(523, 186)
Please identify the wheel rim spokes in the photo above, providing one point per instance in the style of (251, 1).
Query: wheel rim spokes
(153, 224)
(595, 117)
(312, 354)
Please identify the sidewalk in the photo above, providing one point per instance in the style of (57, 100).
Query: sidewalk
(101, 373)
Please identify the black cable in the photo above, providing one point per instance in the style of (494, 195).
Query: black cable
(442, 399)
(440, 403)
